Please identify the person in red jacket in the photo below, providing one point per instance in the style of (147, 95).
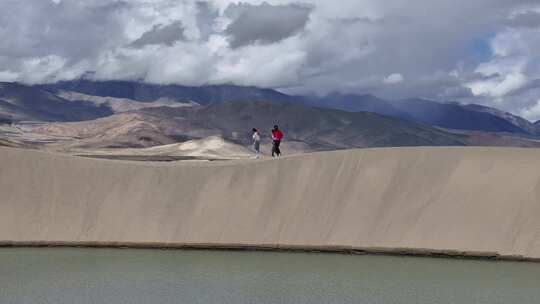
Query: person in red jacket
(277, 137)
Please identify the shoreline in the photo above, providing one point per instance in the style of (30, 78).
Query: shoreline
(377, 251)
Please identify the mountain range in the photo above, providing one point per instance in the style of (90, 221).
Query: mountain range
(310, 128)
(143, 92)
(122, 114)
(21, 102)
(450, 115)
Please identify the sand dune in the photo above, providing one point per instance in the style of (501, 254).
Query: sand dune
(213, 147)
(475, 200)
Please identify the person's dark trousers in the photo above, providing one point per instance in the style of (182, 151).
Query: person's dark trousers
(275, 148)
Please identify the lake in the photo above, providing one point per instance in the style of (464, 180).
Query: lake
(61, 275)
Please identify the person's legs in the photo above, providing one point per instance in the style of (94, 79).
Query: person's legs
(274, 148)
(278, 150)
(257, 147)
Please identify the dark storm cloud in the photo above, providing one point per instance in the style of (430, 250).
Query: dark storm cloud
(45, 28)
(265, 23)
(525, 20)
(161, 35)
(206, 17)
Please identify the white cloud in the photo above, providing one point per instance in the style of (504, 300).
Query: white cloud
(509, 78)
(500, 86)
(8, 76)
(394, 79)
(532, 113)
(477, 51)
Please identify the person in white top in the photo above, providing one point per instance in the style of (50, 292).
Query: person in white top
(256, 143)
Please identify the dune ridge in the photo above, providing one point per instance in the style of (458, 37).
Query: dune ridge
(441, 201)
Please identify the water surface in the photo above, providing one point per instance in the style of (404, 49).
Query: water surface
(157, 276)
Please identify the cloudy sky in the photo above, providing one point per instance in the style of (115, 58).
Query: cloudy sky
(482, 51)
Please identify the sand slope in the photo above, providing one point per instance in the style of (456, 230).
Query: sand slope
(460, 199)
(212, 147)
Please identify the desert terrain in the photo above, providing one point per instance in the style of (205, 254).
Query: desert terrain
(458, 201)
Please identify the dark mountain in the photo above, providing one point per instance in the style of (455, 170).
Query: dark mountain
(445, 115)
(357, 103)
(148, 92)
(455, 116)
(522, 123)
(5, 119)
(21, 102)
(321, 129)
